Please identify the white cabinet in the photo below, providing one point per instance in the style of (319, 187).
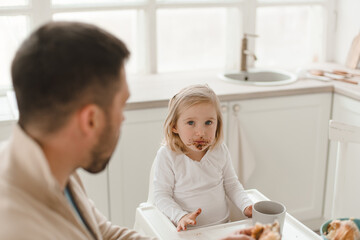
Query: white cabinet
(346, 110)
(288, 137)
(129, 169)
(225, 115)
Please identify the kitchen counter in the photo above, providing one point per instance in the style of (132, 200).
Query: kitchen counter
(152, 91)
(155, 90)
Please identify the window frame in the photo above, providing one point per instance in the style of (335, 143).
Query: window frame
(41, 11)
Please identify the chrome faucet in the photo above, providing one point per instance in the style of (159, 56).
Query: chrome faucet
(245, 52)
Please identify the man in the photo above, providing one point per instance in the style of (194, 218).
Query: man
(71, 89)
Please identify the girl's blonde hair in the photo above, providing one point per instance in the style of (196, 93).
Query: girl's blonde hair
(188, 97)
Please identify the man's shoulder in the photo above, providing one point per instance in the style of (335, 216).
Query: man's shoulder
(15, 201)
(24, 217)
(18, 216)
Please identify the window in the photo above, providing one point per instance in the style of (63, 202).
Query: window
(122, 23)
(182, 35)
(191, 39)
(13, 30)
(289, 32)
(93, 2)
(13, 3)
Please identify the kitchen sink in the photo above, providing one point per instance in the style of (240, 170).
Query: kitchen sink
(260, 77)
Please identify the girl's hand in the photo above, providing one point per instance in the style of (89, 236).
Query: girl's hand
(248, 211)
(188, 219)
(243, 234)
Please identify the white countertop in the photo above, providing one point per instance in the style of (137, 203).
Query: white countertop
(153, 91)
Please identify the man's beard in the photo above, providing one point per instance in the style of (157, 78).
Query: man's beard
(98, 160)
(97, 165)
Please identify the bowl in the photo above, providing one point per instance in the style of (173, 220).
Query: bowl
(324, 227)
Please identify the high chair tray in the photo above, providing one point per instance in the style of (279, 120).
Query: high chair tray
(151, 222)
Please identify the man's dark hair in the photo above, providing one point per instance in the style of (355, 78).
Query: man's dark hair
(63, 66)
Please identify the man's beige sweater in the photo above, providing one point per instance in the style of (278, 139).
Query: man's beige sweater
(32, 205)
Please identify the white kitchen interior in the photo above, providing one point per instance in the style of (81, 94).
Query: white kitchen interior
(277, 134)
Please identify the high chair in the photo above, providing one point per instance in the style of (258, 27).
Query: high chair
(343, 134)
(150, 221)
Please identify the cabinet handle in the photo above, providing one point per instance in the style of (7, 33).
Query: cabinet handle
(236, 108)
(224, 108)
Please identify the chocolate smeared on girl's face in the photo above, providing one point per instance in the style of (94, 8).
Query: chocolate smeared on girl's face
(201, 144)
(196, 127)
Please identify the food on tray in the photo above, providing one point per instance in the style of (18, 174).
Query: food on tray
(266, 232)
(342, 230)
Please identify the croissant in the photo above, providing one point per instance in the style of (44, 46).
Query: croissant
(343, 230)
(266, 232)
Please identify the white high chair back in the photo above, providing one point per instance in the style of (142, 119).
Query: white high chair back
(344, 134)
(151, 184)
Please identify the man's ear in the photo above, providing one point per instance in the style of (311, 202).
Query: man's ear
(91, 118)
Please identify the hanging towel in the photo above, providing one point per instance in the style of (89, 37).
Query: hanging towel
(240, 150)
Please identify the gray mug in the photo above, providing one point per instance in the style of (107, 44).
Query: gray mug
(266, 212)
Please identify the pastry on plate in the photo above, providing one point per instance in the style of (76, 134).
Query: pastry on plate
(266, 232)
(342, 230)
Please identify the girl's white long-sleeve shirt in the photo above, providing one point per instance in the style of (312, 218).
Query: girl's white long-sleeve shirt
(182, 185)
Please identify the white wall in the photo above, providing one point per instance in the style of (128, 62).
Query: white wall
(348, 26)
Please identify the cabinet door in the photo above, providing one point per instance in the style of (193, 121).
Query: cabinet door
(224, 112)
(345, 110)
(129, 169)
(288, 138)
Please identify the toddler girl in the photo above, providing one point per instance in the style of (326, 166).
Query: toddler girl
(193, 170)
